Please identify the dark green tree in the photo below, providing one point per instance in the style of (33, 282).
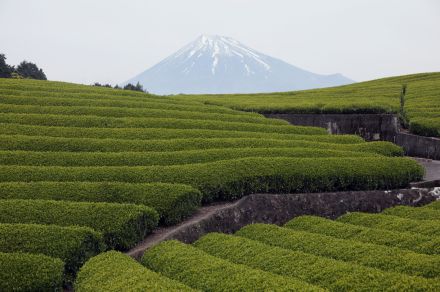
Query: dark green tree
(5, 69)
(30, 70)
(137, 87)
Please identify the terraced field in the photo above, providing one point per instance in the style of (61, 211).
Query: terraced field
(85, 169)
(421, 107)
(397, 250)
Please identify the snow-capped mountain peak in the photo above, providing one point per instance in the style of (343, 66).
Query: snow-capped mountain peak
(219, 64)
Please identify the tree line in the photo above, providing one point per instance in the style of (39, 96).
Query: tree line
(129, 86)
(23, 70)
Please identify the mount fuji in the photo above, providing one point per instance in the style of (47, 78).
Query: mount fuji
(218, 64)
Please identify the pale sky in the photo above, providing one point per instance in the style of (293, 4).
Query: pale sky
(88, 41)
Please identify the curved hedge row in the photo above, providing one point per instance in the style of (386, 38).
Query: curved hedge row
(434, 205)
(392, 223)
(109, 122)
(324, 272)
(165, 133)
(243, 176)
(420, 243)
(30, 272)
(413, 213)
(162, 158)
(137, 112)
(365, 254)
(122, 225)
(15, 99)
(39, 143)
(200, 270)
(173, 202)
(74, 245)
(114, 271)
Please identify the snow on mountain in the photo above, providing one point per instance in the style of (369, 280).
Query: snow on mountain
(218, 64)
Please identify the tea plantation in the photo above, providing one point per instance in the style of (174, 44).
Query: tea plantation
(391, 251)
(415, 98)
(88, 169)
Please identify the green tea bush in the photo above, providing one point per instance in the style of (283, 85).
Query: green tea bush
(392, 223)
(162, 158)
(122, 225)
(173, 202)
(110, 122)
(114, 271)
(164, 133)
(243, 176)
(324, 272)
(138, 113)
(200, 270)
(405, 240)
(30, 272)
(365, 254)
(41, 143)
(74, 245)
(413, 213)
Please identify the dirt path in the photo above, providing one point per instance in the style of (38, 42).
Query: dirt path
(164, 233)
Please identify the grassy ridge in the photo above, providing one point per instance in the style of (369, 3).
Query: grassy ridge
(243, 176)
(122, 225)
(365, 254)
(174, 260)
(392, 223)
(30, 272)
(73, 244)
(114, 271)
(324, 272)
(41, 143)
(173, 202)
(420, 244)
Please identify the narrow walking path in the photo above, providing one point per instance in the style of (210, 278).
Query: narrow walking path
(432, 168)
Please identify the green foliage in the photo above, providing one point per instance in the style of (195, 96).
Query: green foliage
(42, 143)
(74, 245)
(324, 272)
(365, 254)
(392, 223)
(244, 176)
(30, 70)
(200, 270)
(30, 272)
(414, 213)
(114, 271)
(90, 121)
(5, 69)
(122, 225)
(404, 240)
(162, 158)
(173, 202)
(137, 87)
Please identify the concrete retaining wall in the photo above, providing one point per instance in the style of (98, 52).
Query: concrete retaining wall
(371, 127)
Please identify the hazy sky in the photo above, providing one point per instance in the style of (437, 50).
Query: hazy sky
(111, 41)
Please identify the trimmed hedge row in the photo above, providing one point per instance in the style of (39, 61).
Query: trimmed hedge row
(413, 213)
(173, 202)
(324, 272)
(138, 112)
(161, 158)
(393, 223)
(114, 271)
(434, 205)
(365, 254)
(164, 134)
(122, 225)
(40, 143)
(30, 272)
(404, 240)
(200, 270)
(74, 245)
(108, 122)
(118, 103)
(243, 176)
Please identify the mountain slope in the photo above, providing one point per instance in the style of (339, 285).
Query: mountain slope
(217, 64)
